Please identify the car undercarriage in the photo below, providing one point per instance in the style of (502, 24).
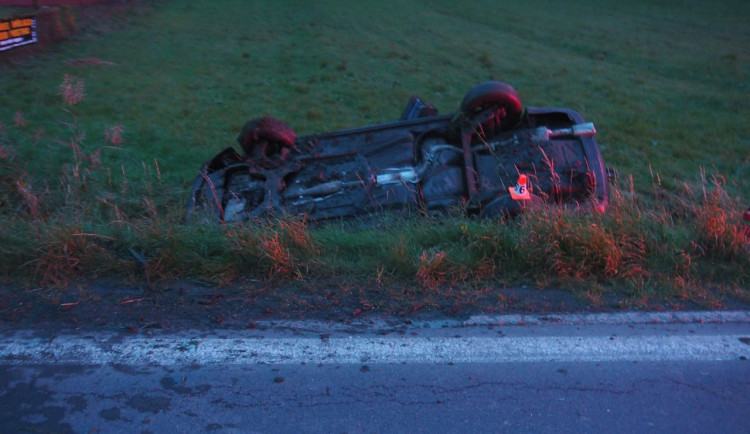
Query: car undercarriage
(493, 157)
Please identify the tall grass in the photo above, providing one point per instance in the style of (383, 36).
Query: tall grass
(97, 156)
(100, 221)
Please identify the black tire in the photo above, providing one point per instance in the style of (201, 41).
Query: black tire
(501, 98)
(266, 138)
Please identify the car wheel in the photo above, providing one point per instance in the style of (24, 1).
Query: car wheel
(501, 100)
(267, 139)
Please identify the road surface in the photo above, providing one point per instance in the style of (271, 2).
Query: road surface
(557, 373)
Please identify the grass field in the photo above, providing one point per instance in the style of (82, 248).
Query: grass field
(97, 186)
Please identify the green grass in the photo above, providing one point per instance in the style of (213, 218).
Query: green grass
(666, 85)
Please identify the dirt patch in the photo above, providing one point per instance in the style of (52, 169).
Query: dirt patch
(179, 305)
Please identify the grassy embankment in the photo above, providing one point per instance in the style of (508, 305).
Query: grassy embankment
(97, 186)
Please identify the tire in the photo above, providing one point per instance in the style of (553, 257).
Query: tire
(266, 138)
(501, 98)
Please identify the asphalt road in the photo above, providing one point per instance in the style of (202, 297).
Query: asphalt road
(597, 373)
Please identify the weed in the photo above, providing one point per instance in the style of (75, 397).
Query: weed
(399, 257)
(433, 267)
(19, 120)
(71, 90)
(277, 254)
(31, 200)
(717, 221)
(113, 134)
(66, 252)
(572, 247)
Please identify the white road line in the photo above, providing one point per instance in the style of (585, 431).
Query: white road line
(589, 319)
(181, 350)
(678, 317)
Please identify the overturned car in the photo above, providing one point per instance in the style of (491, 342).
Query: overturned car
(493, 157)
